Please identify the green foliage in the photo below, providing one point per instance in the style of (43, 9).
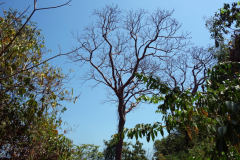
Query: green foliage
(86, 151)
(173, 143)
(213, 114)
(30, 95)
(221, 24)
(129, 151)
(178, 146)
(224, 29)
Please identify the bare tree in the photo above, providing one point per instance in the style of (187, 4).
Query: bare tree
(189, 69)
(119, 44)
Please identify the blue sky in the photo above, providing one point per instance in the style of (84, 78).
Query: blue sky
(96, 120)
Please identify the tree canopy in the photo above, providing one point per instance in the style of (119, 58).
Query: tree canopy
(30, 94)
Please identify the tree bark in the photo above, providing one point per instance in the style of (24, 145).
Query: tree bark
(121, 123)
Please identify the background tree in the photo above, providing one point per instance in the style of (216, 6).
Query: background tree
(176, 146)
(130, 151)
(138, 152)
(119, 44)
(87, 151)
(174, 143)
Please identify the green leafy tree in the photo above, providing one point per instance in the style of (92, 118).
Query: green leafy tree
(177, 146)
(174, 143)
(138, 152)
(129, 151)
(30, 94)
(87, 151)
(224, 22)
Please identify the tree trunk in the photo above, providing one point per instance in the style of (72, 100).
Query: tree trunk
(121, 123)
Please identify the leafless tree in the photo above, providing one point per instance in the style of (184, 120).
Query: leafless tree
(189, 69)
(119, 44)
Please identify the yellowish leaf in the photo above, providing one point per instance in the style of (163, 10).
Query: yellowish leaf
(204, 112)
(196, 129)
(189, 132)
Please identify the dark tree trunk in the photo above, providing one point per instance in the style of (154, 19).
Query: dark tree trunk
(122, 114)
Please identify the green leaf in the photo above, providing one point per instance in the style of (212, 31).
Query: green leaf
(27, 81)
(64, 109)
(22, 90)
(219, 120)
(136, 135)
(148, 137)
(233, 107)
(152, 135)
(144, 79)
(209, 127)
(14, 67)
(161, 131)
(140, 134)
(222, 130)
(155, 132)
(39, 113)
(214, 128)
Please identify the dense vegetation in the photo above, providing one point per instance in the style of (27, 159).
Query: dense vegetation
(30, 95)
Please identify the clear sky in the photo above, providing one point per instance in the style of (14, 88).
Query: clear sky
(96, 120)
